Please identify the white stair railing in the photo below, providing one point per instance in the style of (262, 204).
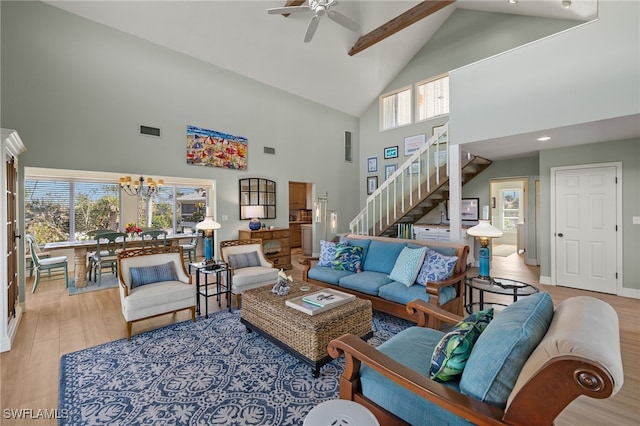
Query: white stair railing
(395, 196)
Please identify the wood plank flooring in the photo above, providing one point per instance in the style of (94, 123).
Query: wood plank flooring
(55, 323)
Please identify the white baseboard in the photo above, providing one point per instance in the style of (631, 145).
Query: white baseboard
(531, 262)
(634, 293)
(545, 280)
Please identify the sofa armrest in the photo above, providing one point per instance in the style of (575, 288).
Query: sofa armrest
(308, 262)
(427, 312)
(357, 351)
(433, 287)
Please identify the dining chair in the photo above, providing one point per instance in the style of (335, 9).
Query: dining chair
(48, 264)
(189, 249)
(153, 238)
(29, 260)
(92, 236)
(108, 245)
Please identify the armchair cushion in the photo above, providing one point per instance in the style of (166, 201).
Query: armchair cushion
(144, 275)
(503, 348)
(244, 260)
(408, 265)
(327, 253)
(452, 352)
(436, 267)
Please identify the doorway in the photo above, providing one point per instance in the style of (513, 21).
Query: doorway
(585, 213)
(508, 213)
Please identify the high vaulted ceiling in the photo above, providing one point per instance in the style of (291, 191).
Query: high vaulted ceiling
(240, 36)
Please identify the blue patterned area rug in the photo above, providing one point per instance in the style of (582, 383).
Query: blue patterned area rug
(209, 373)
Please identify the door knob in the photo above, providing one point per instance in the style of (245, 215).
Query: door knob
(560, 234)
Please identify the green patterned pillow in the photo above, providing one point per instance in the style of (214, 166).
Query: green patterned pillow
(348, 258)
(452, 352)
(408, 265)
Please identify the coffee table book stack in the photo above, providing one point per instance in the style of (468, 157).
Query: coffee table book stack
(320, 301)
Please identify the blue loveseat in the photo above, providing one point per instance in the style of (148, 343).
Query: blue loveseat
(528, 364)
(385, 294)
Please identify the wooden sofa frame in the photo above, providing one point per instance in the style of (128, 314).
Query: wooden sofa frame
(457, 280)
(555, 385)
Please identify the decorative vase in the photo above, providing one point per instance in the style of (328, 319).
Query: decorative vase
(254, 224)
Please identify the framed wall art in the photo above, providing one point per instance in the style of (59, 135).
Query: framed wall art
(216, 149)
(413, 143)
(372, 164)
(389, 169)
(391, 152)
(372, 184)
(469, 209)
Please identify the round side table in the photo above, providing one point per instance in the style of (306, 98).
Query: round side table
(500, 286)
(340, 412)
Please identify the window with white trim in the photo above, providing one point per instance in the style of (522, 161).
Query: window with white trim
(432, 98)
(395, 109)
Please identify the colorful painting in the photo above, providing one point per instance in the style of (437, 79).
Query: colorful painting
(216, 149)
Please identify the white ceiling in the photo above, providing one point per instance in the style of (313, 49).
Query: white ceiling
(241, 37)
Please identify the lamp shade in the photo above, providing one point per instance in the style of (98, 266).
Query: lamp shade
(484, 229)
(208, 224)
(253, 212)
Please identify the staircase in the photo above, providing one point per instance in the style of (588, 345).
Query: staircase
(418, 186)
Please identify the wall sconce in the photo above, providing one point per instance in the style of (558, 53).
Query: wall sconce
(208, 226)
(484, 231)
(256, 213)
(325, 215)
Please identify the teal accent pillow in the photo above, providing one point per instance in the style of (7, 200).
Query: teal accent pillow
(327, 253)
(144, 275)
(436, 267)
(358, 243)
(244, 260)
(408, 265)
(348, 258)
(452, 352)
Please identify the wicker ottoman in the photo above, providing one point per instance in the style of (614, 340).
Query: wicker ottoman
(305, 336)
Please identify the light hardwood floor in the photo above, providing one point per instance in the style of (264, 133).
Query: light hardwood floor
(55, 323)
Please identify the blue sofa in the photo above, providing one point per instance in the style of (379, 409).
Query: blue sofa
(528, 364)
(385, 294)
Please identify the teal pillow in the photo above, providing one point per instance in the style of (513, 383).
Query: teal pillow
(504, 347)
(348, 258)
(408, 265)
(144, 275)
(452, 352)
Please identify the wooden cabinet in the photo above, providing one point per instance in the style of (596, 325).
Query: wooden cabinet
(296, 235)
(297, 195)
(276, 244)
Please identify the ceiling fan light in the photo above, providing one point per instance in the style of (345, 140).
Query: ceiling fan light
(566, 4)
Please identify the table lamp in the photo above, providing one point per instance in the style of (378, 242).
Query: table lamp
(255, 212)
(208, 226)
(484, 231)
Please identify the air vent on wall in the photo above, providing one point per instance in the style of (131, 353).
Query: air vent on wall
(150, 131)
(348, 149)
(269, 150)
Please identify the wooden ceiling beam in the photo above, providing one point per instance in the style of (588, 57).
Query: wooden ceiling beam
(398, 23)
(292, 3)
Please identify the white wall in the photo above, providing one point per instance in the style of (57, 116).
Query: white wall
(585, 74)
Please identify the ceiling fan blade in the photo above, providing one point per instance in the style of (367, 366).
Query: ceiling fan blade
(311, 28)
(343, 20)
(289, 9)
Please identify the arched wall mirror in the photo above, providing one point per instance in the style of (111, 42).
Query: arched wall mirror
(257, 192)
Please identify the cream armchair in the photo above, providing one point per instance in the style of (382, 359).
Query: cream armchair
(249, 266)
(153, 282)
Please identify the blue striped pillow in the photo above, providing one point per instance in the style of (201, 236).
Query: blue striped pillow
(152, 274)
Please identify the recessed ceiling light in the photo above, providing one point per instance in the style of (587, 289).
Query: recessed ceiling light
(513, 1)
(544, 138)
(566, 4)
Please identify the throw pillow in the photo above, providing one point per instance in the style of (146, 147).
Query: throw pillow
(244, 260)
(408, 265)
(452, 352)
(144, 275)
(436, 267)
(327, 253)
(348, 258)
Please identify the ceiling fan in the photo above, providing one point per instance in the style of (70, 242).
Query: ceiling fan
(319, 8)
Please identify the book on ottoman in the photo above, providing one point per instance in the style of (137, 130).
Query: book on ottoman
(320, 301)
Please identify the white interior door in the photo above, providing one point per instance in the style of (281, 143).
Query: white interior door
(585, 228)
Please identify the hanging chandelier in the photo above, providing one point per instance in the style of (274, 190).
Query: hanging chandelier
(137, 187)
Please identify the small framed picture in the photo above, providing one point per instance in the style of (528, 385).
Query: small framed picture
(372, 184)
(389, 169)
(372, 164)
(413, 143)
(391, 152)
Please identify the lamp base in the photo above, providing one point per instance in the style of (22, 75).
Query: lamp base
(254, 224)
